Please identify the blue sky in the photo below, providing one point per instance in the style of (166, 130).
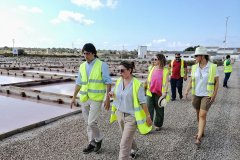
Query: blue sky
(118, 24)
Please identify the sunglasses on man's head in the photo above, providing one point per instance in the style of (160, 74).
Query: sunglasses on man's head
(121, 70)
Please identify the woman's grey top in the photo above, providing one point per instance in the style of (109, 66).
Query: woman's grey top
(124, 98)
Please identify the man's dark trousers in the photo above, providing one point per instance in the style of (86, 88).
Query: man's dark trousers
(176, 83)
(227, 76)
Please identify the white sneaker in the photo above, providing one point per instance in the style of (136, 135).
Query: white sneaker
(133, 154)
(158, 128)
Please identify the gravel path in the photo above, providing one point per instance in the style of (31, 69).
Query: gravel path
(65, 138)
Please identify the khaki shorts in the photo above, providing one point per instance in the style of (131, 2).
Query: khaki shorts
(200, 102)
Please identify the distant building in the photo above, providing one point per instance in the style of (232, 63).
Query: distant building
(187, 55)
(142, 51)
(15, 51)
(225, 51)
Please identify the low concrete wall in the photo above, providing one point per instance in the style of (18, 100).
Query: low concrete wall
(36, 94)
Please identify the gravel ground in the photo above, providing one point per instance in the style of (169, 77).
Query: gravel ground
(66, 138)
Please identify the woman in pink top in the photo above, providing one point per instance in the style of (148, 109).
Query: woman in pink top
(154, 89)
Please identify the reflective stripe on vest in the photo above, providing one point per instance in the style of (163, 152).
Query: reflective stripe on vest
(211, 78)
(164, 83)
(139, 113)
(182, 73)
(94, 87)
(228, 68)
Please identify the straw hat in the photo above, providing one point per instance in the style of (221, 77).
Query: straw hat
(162, 102)
(201, 51)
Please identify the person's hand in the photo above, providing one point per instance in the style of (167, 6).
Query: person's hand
(111, 94)
(164, 95)
(149, 121)
(73, 103)
(107, 104)
(212, 99)
(185, 77)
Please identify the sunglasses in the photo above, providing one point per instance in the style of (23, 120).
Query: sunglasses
(154, 59)
(86, 53)
(121, 70)
(197, 55)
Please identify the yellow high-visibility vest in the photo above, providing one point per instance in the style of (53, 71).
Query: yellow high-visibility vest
(149, 68)
(164, 83)
(211, 77)
(228, 68)
(139, 113)
(93, 87)
(182, 73)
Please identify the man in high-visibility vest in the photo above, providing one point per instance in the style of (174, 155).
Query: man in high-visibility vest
(227, 70)
(93, 82)
(178, 71)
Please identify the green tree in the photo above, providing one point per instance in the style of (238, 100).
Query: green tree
(191, 48)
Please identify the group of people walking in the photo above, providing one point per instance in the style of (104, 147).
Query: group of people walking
(138, 106)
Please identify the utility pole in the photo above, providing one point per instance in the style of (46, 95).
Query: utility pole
(13, 50)
(225, 40)
(13, 40)
(122, 51)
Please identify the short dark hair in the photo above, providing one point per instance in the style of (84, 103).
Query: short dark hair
(179, 54)
(89, 47)
(128, 65)
(228, 56)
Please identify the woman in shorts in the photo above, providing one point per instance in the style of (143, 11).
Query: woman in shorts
(204, 83)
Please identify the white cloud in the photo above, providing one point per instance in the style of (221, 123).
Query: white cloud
(148, 44)
(35, 10)
(159, 40)
(17, 27)
(178, 45)
(163, 44)
(65, 16)
(112, 3)
(31, 10)
(94, 4)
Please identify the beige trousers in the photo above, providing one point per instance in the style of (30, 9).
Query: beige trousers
(128, 127)
(91, 111)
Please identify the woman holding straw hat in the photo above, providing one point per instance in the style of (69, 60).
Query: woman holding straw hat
(157, 89)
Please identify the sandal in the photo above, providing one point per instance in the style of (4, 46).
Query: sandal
(203, 135)
(198, 141)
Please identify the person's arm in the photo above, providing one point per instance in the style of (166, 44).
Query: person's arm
(216, 85)
(148, 117)
(185, 70)
(108, 81)
(169, 68)
(145, 85)
(189, 86)
(167, 85)
(77, 89)
(107, 100)
(142, 101)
